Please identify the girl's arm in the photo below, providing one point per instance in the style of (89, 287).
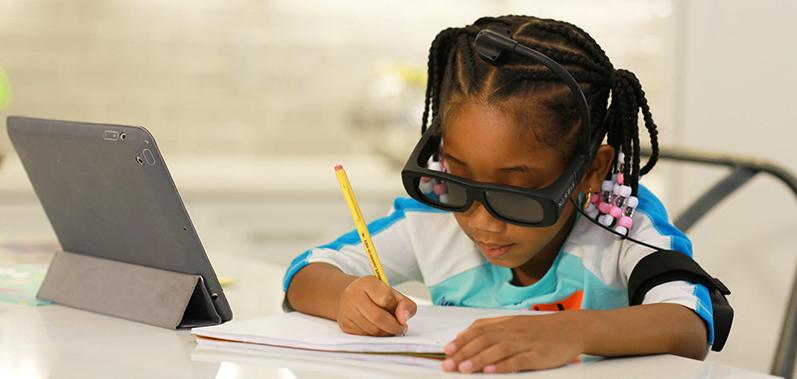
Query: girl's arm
(336, 280)
(643, 329)
(316, 289)
(515, 343)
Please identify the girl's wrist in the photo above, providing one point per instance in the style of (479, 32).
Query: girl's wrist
(577, 326)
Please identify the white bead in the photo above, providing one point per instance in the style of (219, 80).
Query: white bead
(607, 185)
(606, 220)
(432, 165)
(632, 202)
(621, 229)
(625, 191)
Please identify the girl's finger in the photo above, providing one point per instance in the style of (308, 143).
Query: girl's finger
(472, 348)
(405, 309)
(464, 337)
(382, 295)
(382, 319)
(490, 356)
(347, 325)
(367, 326)
(527, 360)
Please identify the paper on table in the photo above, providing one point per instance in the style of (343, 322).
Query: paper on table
(429, 330)
(226, 351)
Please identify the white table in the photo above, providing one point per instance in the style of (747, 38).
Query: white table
(59, 342)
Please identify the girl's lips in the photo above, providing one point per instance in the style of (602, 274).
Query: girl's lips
(494, 250)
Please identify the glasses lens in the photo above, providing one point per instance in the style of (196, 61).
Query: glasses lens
(515, 207)
(443, 192)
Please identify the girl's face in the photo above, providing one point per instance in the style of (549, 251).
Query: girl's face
(483, 143)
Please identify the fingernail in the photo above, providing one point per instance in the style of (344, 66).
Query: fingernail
(490, 368)
(448, 365)
(406, 315)
(450, 348)
(465, 366)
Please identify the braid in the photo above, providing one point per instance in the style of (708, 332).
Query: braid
(431, 81)
(628, 99)
(438, 57)
(651, 127)
(455, 69)
(574, 33)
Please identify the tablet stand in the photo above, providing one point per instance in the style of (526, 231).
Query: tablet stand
(153, 296)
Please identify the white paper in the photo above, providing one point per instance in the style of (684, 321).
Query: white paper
(429, 330)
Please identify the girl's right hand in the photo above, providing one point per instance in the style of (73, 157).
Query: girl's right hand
(369, 307)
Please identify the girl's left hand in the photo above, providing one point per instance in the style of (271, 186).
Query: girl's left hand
(515, 343)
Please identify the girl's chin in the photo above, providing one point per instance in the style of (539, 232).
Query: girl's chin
(505, 260)
(501, 262)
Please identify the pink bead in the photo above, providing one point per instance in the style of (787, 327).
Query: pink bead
(440, 189)
(619, 178)
(627, 222)
(604, 207)
(616, 212)
(594, 198)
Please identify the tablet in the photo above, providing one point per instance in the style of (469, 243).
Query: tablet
(108, 194)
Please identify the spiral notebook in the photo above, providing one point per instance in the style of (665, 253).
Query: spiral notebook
(429, 331)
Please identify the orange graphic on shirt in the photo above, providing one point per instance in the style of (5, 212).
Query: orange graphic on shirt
(569, 303)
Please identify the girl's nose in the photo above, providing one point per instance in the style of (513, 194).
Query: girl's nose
(480, 219)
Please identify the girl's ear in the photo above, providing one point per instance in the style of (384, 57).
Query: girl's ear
(598, 170)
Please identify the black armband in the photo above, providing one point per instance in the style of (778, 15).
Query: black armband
(668, 266)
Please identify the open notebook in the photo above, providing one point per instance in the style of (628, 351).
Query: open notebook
(429, 330)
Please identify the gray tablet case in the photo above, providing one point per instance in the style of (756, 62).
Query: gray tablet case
(129, 248)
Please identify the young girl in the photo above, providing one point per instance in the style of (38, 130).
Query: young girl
(513, 123)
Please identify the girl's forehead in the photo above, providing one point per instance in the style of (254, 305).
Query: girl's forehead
(486, 135)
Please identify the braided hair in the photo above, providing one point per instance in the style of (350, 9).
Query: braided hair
(456, 74)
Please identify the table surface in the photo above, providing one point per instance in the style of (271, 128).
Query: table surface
(60, 342)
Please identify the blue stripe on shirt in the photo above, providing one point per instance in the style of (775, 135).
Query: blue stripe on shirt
(652, 207)
(401, 206)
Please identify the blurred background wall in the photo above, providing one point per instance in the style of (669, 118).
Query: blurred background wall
(252, 102)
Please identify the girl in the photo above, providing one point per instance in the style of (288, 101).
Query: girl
(514, 123)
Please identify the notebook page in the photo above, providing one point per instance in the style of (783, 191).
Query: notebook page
(429, 330)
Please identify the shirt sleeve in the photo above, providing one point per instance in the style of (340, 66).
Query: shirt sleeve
(391, 239)
(652, 226)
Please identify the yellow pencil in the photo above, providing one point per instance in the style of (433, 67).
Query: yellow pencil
(359, 222)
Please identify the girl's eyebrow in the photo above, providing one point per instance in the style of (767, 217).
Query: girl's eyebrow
(448, 156)
(520, 168)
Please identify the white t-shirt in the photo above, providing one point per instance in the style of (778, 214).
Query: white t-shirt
(591, 271)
